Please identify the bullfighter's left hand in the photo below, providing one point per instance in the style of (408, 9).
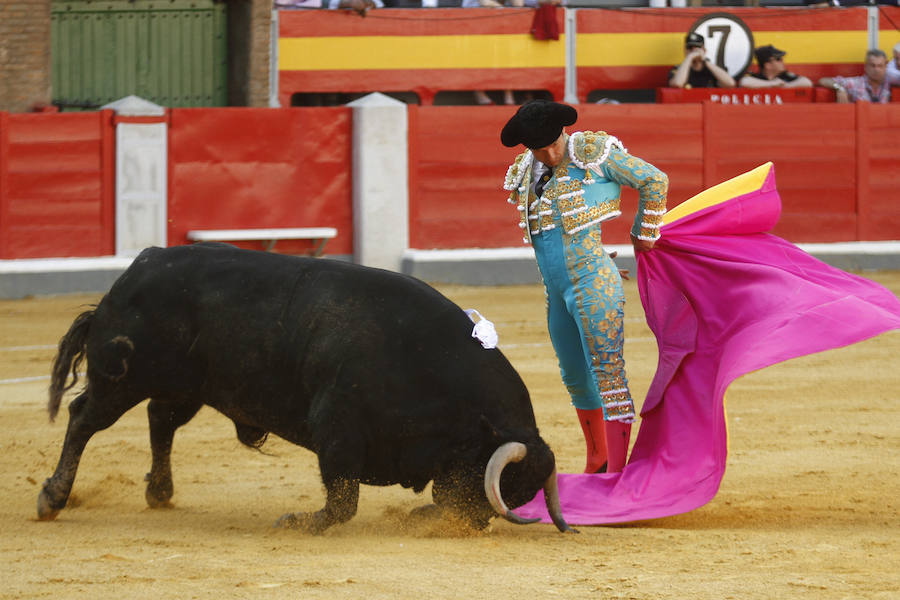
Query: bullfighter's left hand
(641, 245)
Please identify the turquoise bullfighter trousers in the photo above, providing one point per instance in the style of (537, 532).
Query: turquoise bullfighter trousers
(585, 317)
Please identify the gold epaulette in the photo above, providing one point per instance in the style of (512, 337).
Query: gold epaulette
(590, 149)
(516, 171)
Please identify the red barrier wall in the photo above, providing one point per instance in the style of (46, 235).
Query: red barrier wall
(456, 169)
(878, 171)
(836, 165)
(837, 169)
(457, 165)
(815, 159)
(56, 184)
(250, 168)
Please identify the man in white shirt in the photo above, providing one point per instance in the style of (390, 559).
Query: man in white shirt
(893, 67)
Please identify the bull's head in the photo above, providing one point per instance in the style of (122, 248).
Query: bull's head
(513, 452)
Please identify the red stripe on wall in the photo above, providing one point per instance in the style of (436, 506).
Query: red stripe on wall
(481, 21)
(405, 22)
(680, 20)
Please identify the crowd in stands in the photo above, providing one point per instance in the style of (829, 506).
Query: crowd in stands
(697, 70)
(874, 85)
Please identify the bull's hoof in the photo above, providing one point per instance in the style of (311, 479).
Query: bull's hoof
(306, 522)
(156, 501)
(158, 495)
(45, 509)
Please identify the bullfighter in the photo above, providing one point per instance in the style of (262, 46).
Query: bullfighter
(564, 187)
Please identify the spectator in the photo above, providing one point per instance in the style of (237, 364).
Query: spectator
(772, 72)
(893, 68)
(870, 87)
(697, 70)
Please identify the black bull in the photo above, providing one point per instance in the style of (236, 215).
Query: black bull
(375, 372)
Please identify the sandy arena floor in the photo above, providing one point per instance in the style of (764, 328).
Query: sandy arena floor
(809, 506)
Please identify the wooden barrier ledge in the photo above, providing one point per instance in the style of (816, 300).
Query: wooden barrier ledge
(268, 237)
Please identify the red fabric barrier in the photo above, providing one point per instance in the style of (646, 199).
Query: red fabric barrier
(251, 168)
(56, 184)
(837, 165)
(241, 168)
(456, 166)
(813, 150)
(878, 172)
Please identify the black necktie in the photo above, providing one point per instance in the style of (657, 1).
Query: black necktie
(542, 181)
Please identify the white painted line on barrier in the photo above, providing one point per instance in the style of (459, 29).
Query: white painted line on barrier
(26, 348)
(33, 378)
(24, 379)
(51, 265)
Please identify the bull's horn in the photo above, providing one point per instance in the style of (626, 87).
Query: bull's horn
(505, 454)
(551, 497)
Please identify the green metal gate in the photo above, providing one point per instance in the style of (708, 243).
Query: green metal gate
(171, 52)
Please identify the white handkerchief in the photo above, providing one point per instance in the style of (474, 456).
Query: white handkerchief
(484, 330)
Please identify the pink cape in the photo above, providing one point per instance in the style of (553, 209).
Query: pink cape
(723, 299)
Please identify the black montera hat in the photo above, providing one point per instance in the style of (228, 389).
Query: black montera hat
(537, 124)
(694, 40)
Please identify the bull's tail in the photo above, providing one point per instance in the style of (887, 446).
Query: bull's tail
(68, 359)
